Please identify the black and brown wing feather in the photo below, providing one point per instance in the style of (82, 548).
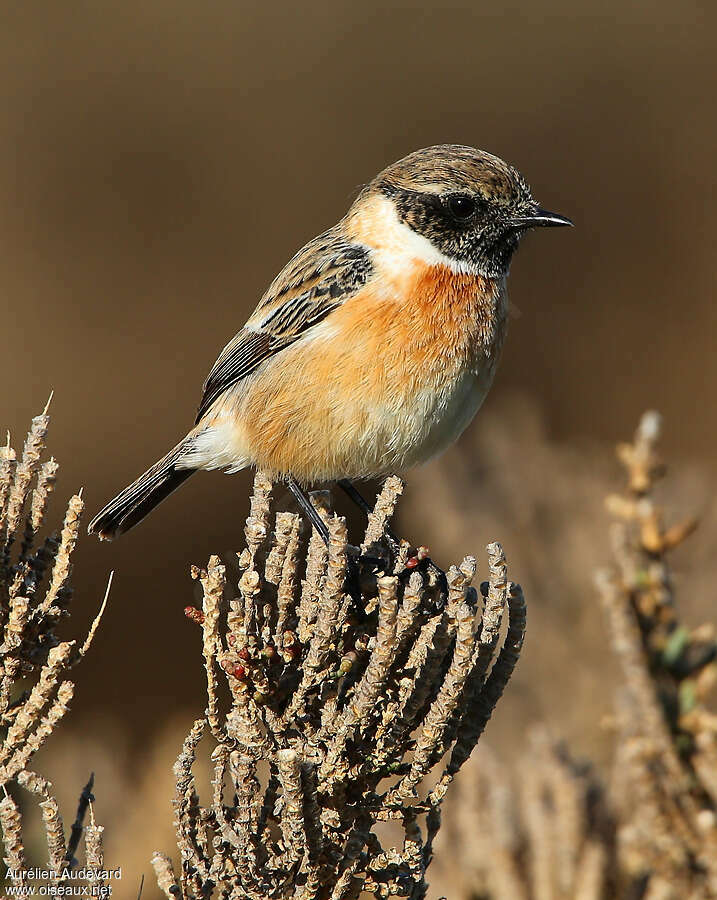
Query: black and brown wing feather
(321, 276)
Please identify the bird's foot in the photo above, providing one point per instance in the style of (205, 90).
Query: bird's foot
(406, 559)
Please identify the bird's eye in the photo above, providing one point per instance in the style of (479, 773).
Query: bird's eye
(461, 206)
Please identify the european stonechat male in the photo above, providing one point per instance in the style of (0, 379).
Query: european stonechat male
(373, 348)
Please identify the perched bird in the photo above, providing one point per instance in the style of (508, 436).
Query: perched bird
(373, 348)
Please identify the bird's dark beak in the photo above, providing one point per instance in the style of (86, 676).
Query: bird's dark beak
(539, 218)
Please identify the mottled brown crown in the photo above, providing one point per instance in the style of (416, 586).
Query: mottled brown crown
(455, 167)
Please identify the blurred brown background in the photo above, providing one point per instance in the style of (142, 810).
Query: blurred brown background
(160, 161)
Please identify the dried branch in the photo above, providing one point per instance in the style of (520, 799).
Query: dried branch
(332, 697)
(667, 750)
(34, 690)
(551, 830)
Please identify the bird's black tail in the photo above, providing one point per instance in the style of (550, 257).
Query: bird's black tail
(138, 499)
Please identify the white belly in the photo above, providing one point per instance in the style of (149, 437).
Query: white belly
(444, 417)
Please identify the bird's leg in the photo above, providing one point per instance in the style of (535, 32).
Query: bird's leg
(309, 509)
(394, 543)
(353, 583)
(354, 495)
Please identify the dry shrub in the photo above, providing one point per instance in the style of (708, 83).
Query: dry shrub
(345, 690)
(549, 828)
(545, 498)
(34, 691)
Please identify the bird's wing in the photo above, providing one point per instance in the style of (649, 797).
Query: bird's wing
(322, 276)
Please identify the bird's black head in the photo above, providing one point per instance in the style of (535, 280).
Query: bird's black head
(471, 206)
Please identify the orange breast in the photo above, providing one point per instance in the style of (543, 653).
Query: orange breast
(366, 391)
